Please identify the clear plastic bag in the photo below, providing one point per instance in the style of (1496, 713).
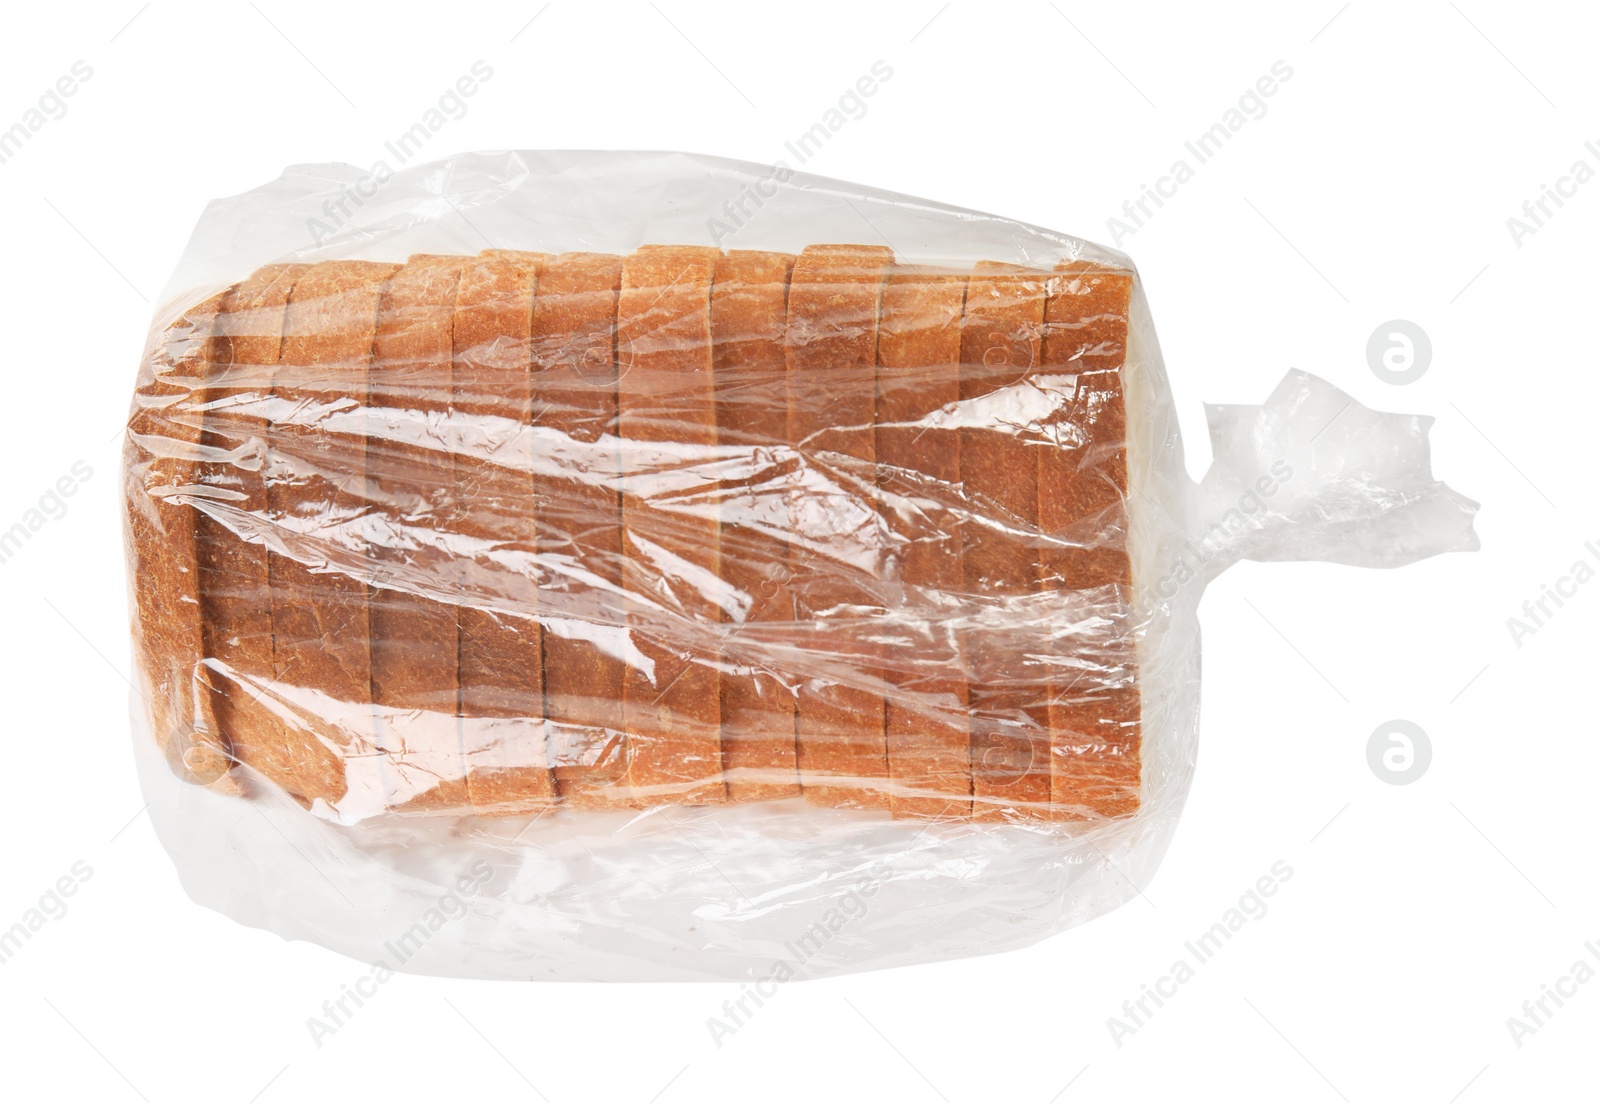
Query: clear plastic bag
(538, 572)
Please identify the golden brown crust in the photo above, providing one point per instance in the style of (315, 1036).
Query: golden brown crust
(579, 524)
(165, 431)
(919, 373)
(501, 701)
(749, 304)
(411, 500)
(834, 292)
(666, 393)
(233, 555)
(321, 640)
(1000, 345)
(1095, 719)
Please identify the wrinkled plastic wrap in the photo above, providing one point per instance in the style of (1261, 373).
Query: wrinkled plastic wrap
(624, 566)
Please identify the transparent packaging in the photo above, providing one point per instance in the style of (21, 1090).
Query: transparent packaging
(650, 566)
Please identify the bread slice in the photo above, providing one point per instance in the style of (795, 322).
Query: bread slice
(235, 584)
(749, 306)
(415, 517)
(834, 292)
(498, 652)
(671, 567)
(165, 431)
(919, 373)
(1000, 346)
(320, 632)
(1094, 715)
(576, 474)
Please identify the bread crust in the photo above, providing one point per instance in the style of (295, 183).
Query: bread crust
(834, 294)
(321, 636)
(1083, 486)
(919, 374)
(749, 308)
(666, 394)
(413, 510)
(165, 432)
(1000, 345)
(499, 656)
(233, 548)
(579, 525)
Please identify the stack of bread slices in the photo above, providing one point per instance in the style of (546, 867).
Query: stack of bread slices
(491, 534)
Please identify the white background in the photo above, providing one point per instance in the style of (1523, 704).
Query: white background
(1377, 186)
